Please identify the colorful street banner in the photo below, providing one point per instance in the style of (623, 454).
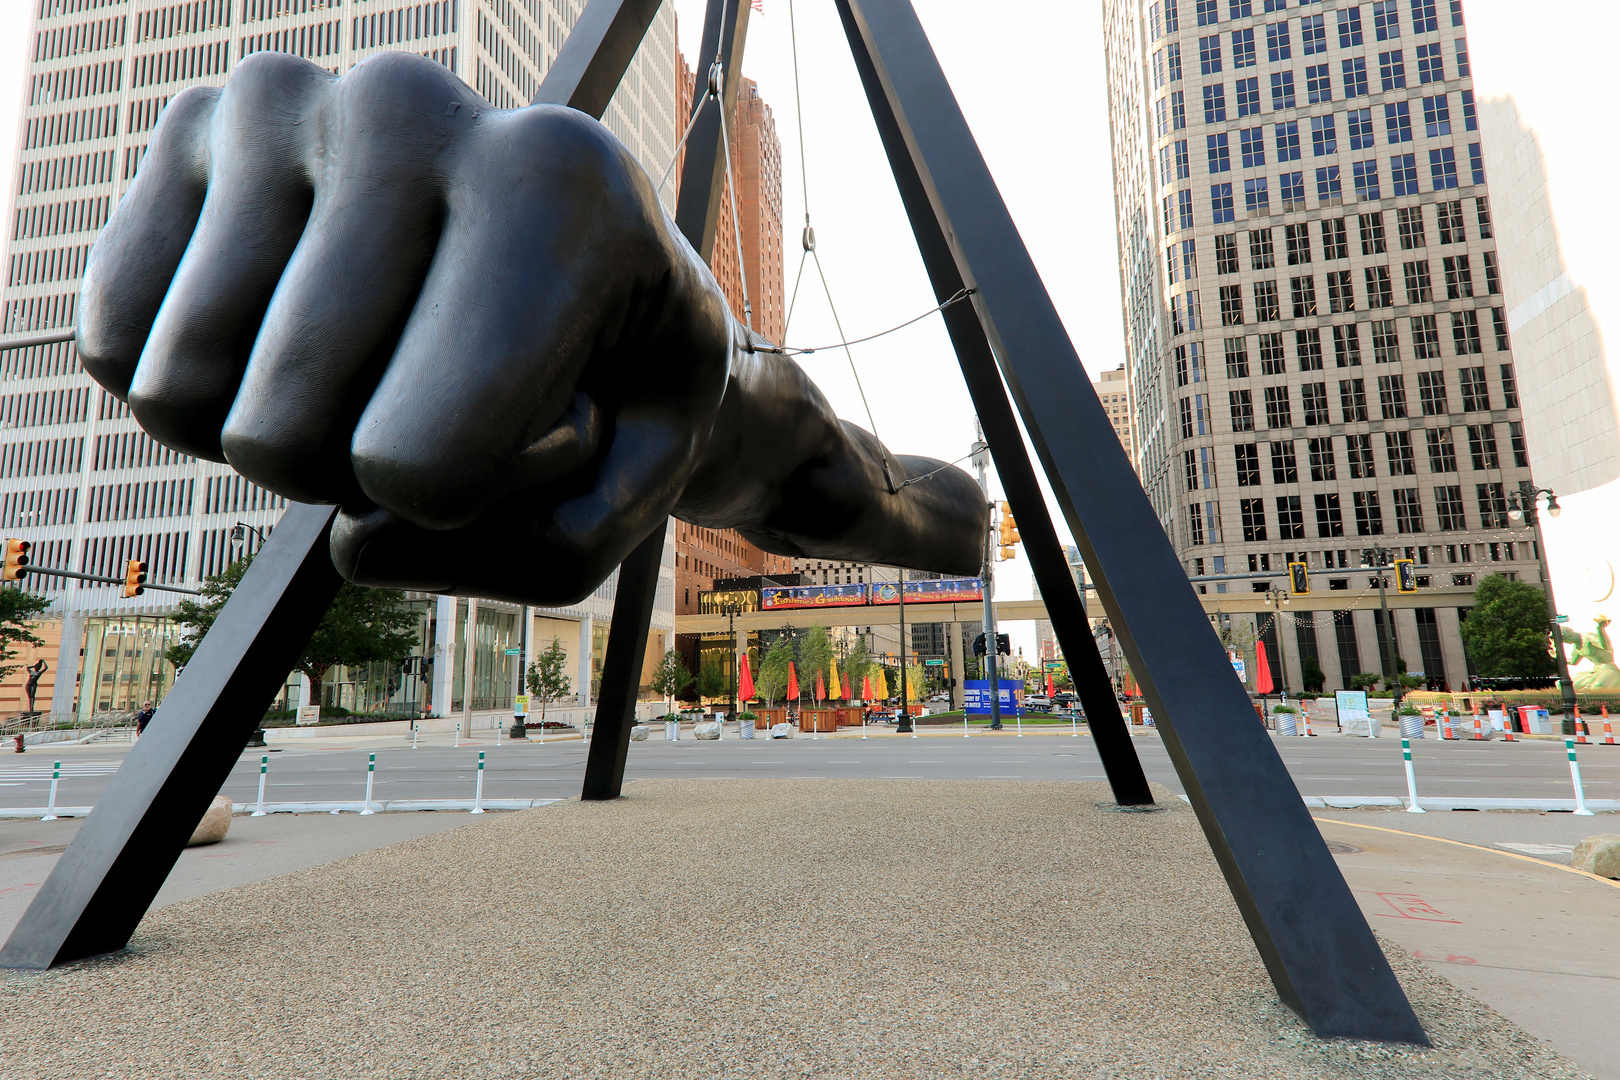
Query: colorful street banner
(942, 591)
(779, 598)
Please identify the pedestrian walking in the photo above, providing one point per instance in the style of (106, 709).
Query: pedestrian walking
(143, 717)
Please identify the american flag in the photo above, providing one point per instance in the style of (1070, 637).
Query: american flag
(759, 6)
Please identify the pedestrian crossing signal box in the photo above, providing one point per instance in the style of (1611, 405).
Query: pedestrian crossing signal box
(1405, 576)
(1299, 579)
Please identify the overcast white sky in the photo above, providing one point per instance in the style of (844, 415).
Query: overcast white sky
(1029, 76)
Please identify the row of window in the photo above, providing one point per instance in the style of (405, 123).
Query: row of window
(1384, 16)
(32, 313)
(1200, 471)
(39, 361)
(41, 457)
(149, 499)
(164, 555)
(1417, 278)
(256, 10)
(1197, 416)
(131, 449)
(73, 170)
(193, 17)
(1202, 520)
(1290, 189)
(80, 38)
(47, 264)
(235, 494)
(44, 407)
(69, 216)
(143, 114)
(1186, 317)
(405, 24)
(50, 506)
(1192, 366)
(1285, 88)
(80, 125)
(321, 39)
(85, 80)
(510, 61)
(1324, 130)
(187, 63)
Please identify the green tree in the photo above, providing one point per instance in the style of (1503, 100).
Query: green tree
(815, 656)
(547, 678)
(670, 678)
(1365, 680)
(1506, 632)
(1312, 675)
(712, 680)
(773, 670)
(18, 612)
(362, 625)
(857, 666)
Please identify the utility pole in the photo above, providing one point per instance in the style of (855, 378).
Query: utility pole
(903, 727)
(1278, 598)
(1523, 504)
(981, 462)
(1378, 558)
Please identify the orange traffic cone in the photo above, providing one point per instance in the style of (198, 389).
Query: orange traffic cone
(1580, 728)
(1608, 732)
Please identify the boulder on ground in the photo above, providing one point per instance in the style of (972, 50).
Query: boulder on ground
(214, 824)
(709, 731)
(639, 733)
(781, 731)
(1598, 855)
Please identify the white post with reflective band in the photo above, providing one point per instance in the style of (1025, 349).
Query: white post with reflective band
(964, 719)
(264, 767)
(371, 772)
(1074, 723)
(1411, 781)
(478, 794)
(50, 808)
(416, 727)
(1575, 777)
(1019, 712)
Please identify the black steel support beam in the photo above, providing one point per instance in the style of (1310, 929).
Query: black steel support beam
(101, 887)
(1064, 605)
(1312, 937)
(697, 215)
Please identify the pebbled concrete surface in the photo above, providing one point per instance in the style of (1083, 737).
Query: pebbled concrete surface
(760, 928)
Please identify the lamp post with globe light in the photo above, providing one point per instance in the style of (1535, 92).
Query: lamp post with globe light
(1522, 505)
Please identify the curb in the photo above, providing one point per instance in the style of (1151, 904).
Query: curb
(1353, 802)
(378, 806)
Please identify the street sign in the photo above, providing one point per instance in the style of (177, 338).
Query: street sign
(1239, 666)
(933, 663)
(520, 705)
(514, 652)
(1560, 618)
(976, 695)
(309, 714)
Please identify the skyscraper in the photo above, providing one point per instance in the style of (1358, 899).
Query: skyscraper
(78, 477)
(1317, 348)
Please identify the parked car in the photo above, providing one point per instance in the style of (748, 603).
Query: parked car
(1065, 700)
(1037, 701)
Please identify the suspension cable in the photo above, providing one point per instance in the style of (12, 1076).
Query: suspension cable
(790, 350)
(717, 75)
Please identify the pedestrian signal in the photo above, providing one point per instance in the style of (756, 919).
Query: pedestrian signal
(134, 577)
(16, 559)
(978, 645)
(1299, 579)
(1405, 576)
(1003, 645)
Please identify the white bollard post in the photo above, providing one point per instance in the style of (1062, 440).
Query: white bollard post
(1020, 713)
(478, 794)
(416, 728)
(50, 809)
(965, 733)
(1411, 782)
(371, 771)
(457, 743)
(1074, 724)
(496, 721)
(264, 767)
(1575, 777)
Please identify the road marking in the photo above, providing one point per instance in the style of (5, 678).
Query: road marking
(1611, 882)
(940, 762)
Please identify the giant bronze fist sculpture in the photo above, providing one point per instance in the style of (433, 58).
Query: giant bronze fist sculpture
(478, 333)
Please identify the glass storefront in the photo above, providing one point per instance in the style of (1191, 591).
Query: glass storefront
(495, 672)
(124, 664)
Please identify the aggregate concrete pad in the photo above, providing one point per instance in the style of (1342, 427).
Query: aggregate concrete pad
(755, 928)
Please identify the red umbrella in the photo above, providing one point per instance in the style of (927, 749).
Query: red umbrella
(1049, 689)
(821, 692)
(745, 686)
(866, 688)
(793, 682)
(1262, 670)
(845, 678)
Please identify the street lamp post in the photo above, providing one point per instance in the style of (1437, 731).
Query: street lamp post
(903, 724)
(1277, 598)
(731, 610)
(1522, 504)
(1378, 559)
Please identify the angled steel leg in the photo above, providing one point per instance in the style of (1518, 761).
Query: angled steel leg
(697, 215)
(101, 887)
(1046, 555)
(1316, 945)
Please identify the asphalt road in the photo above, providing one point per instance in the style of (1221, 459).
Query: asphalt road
(1327, 765)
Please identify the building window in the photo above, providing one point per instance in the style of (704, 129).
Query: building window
(1318, 84)
(1353, 400)
(1248, 464)
(1308, 347)
(1247, 94)
(1476, 393)
(1335, 241)
(1209, 55)
(1476, 163)
(1243, 48)
(1436, 116)
(1252, 143)
(1178, 110)
(1184, 209)
(1443, 169)
(1297, 242)
(1282, 90)
(1391, 71)
(1284, 466)
(1499, 325)
(1292, 187)
(1266, 306)
(1355, 77)
(1256, 199)
(1341, 294)
(1403, 174)
(1424, 20)
(1359, 127)
(1493, 278)
(1369, 517)
(1465, 332)
(1448, 509)
(1214, 103)
(1303, 291)
(1442, 450)
(1392, 396)
(1237, 359)
(1271, 354)
(1347, 345)
(1386, 345)
(1419, 288)
(1387, 20)
(1379, 291)
(1449, 217)
(1329, 189)
(1470, 117)
(1510, 388)
(1398, 451)
(1431, 65)
(1314, 398)
(1242, 405)
(1231, 305)
(1359, 454)
(1409, 226)
(1372, 232)
(1482, 447)
(1254, 519)
(1277, 47)
(1220, 197)
(1408, 511)
(1521, 453)
(1349, 27)
(1287, 141)
(1262, 255)
(1312, 35)
(1492, 506)
(1220, 157)
(1195, 525)
(1425, 338)
(1398, 122)
(1432, 392)
(1278, 411)
(1323, 466)
(1290, 519)
(1226, 253)
(1329, 520)
(1208, 12)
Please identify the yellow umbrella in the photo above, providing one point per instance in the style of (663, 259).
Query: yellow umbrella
(881, 684)
(834, 687)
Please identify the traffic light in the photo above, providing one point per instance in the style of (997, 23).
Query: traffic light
(1003, 645)
(978, 645)
(1009, 532)
(1405, 576)
(16, 559)
(1299, 579)
(134, 577)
